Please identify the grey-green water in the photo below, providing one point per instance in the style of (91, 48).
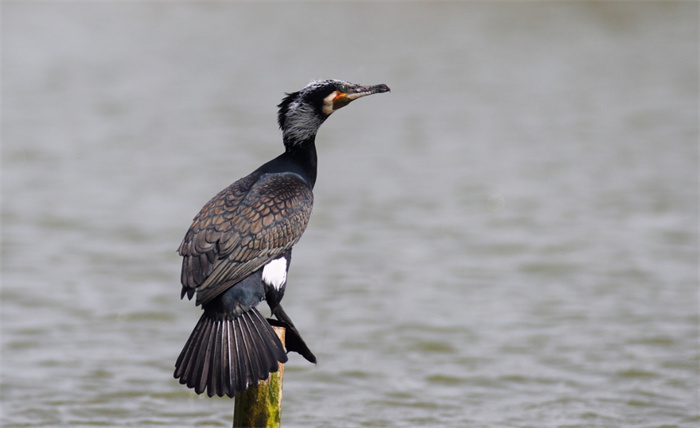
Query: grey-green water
(508, 238)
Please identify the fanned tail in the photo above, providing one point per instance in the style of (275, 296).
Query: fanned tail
(226, 356)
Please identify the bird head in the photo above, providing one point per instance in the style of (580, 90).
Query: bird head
(302, 113)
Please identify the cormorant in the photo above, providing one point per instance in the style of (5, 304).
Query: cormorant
(238, 249)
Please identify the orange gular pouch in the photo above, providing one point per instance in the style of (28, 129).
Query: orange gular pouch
(340, 101)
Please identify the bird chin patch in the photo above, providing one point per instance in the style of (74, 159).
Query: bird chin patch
(335, 101)
(329, 103)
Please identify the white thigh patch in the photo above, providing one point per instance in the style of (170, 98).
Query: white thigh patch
(275, 273)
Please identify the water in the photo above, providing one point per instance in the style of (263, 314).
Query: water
(508, 238)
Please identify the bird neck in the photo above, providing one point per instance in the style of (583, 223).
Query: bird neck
(303, 154)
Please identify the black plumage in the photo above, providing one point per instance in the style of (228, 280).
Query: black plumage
(238, 249)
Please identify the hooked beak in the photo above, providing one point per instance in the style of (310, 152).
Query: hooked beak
(341, 99)
(361, 91)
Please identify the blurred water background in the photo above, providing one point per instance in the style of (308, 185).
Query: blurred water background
(509, 238)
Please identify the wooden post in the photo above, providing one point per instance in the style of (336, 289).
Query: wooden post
(261, 405)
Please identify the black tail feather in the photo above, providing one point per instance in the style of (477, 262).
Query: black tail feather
(225, 356)
(216, 370)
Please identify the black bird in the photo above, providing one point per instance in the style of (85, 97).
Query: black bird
(238, 249)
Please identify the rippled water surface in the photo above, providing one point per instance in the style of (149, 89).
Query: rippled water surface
(508, 238)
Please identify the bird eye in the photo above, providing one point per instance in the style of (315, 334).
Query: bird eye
(342, 88)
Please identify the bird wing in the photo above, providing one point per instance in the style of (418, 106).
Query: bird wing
(251, 222)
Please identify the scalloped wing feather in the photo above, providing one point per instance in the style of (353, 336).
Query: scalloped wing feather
(248, 224)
